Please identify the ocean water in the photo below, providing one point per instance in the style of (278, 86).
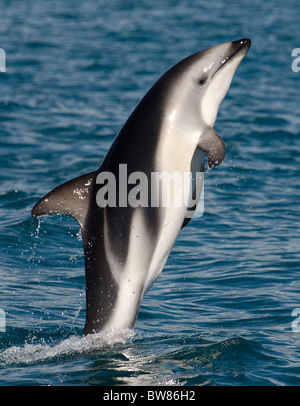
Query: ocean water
(224, 309)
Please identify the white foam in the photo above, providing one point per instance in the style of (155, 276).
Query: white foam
(74, 345)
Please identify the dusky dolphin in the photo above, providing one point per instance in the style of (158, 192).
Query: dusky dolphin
(127, 245)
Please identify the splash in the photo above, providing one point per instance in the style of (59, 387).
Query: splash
(36, 235)
(73, 346)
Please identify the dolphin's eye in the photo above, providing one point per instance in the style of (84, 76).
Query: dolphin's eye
(202, 80)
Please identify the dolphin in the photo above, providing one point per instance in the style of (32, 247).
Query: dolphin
(170, 131)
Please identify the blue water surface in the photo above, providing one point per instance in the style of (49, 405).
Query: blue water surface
(221, 311)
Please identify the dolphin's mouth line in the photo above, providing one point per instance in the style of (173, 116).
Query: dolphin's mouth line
(236, 48)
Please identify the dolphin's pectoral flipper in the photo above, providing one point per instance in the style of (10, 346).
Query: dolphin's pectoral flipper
(72, 198)
(212, 144)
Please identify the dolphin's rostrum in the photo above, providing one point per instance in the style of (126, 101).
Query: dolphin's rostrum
(126, 247)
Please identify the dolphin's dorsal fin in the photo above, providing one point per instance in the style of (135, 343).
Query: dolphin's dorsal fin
(212, 144)
(72, 197)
